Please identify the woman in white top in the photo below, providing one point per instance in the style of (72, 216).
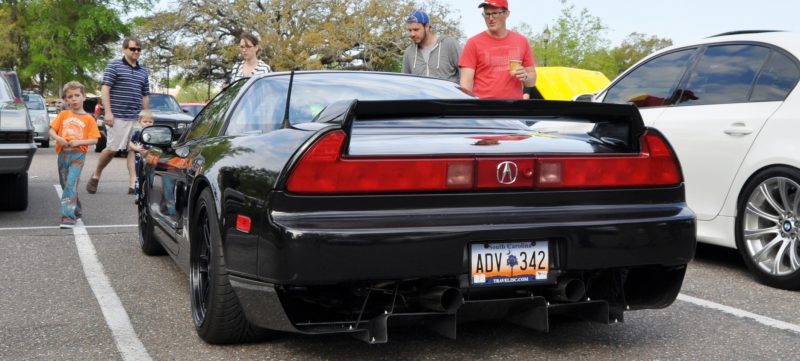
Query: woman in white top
(250, 65)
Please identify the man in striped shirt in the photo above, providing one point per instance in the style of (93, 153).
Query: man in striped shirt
(125, 92)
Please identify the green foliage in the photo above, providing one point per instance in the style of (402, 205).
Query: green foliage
(193, 92)
(294, 34)
(55, 41)
(635, 47)
(577, 40)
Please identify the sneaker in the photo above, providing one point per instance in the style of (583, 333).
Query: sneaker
(91, 186)
(67, 225)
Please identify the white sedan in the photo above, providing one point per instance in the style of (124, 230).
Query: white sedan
(729, 106)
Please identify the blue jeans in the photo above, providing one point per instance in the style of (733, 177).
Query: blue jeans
(70, 165)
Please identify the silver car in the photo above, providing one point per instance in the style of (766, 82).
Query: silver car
(39, 118)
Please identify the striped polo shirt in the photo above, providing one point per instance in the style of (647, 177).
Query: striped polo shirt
(128, 85)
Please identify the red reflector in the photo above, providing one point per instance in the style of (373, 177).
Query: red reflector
(243, 223)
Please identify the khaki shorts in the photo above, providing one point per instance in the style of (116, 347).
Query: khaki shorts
(117, 137)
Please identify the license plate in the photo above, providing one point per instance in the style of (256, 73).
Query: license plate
(508, 263)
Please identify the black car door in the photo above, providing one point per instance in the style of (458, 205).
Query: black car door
(177, 167)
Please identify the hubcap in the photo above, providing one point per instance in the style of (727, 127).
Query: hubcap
(770, 226)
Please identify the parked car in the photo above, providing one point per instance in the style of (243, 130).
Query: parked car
(192, 108)
(364, 198)
(729, 104)
(16, 149)
(166, 111)
(52, 112)
(39, 117)
(13, 81)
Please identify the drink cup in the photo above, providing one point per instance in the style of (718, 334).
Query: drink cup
(513, 65)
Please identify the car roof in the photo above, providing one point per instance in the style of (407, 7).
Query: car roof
(789, 41)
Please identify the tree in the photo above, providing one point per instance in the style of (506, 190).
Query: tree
(577, 40)
(511, 261)
(54, 41)
(294, 34)
(635, 47)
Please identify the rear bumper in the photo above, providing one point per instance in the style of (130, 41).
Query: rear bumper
(16, 157)
(330, 248)
(355, 268)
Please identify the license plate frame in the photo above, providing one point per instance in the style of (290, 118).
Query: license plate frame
(486, 256)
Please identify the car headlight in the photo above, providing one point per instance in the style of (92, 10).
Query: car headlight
(181, 125)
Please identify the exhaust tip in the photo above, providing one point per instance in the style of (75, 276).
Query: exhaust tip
(442, 299)
(568, 290)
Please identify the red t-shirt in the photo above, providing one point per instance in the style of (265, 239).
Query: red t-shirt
(489, 57)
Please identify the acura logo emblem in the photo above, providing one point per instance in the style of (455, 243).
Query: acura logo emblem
(507, 172)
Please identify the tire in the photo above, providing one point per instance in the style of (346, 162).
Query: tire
(218, 317)
(768, 227)
(46, 143)
(16, 191)
(147, 240)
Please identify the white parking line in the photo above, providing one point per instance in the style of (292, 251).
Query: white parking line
(56, 227)
(128, 343)
(771, 322)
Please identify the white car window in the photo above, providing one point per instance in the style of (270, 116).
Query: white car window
(724, 75)
(776, 80)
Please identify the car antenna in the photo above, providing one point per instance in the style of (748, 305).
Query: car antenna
(286, 123)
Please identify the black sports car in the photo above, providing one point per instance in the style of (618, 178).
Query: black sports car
(342, 202)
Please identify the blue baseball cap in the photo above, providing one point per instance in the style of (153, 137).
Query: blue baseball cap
(418, 17)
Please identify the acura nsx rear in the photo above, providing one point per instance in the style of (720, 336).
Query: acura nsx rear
(417, 212)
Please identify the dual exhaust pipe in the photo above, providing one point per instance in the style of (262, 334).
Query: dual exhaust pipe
(449, 299)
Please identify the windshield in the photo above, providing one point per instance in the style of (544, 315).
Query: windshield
(33, 101)
(164, 103)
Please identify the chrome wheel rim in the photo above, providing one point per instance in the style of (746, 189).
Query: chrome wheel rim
(201, 258)
(770, 227)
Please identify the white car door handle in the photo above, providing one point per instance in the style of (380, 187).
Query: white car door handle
(738, 129)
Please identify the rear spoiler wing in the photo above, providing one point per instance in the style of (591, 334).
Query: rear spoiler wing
(617, 122)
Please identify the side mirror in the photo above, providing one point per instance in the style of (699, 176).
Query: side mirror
(157, 135)
(185, 110)
(584, 98)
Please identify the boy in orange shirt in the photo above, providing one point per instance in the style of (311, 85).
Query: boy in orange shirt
(74, 130)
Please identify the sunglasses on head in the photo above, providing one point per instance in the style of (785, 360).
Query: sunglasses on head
(135, 49)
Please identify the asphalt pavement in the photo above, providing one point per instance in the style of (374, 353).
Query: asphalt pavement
(53, 304)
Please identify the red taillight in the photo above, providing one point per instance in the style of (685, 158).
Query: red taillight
(322, 169)
(654, 166)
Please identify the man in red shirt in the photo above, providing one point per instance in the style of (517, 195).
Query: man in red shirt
(485, 63)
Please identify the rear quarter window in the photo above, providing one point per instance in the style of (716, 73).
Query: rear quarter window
(777, 79)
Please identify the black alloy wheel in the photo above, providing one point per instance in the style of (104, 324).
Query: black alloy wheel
(147, 241)
(768, 227)
(201, 254)
(217, 314)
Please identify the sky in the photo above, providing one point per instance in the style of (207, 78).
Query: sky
(679, 20)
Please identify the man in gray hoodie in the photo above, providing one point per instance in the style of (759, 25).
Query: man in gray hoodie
(430, 55)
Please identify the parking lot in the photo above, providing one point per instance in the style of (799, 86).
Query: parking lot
(90, 294)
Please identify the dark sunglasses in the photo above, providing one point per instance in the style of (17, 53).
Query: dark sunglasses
(135, 50)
